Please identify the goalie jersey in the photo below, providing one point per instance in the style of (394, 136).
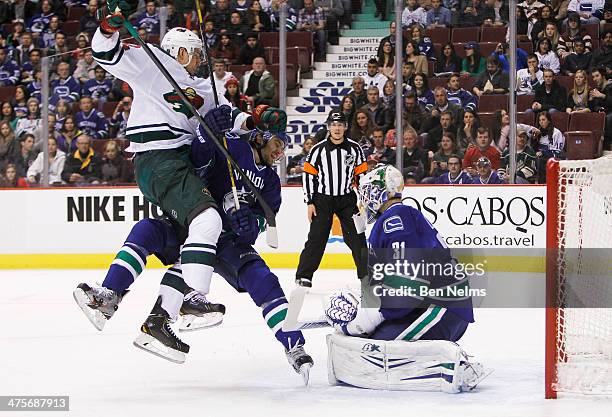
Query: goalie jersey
(159, 119)
(403, 234)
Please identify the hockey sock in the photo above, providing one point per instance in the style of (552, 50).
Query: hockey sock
(127, 265)
(274, 313)
(171, 290)
(199, 251)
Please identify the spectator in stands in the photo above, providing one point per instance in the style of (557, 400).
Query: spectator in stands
(40, 21)
(312, 19)
(493, 80)
(240, 5)
(65, 86)
(551, 33)
(424, 95)
(415, 159)
(237, 28)
(580, 59)
(435, 133)
(292, 16)
(221, 75)
(390, 38)
(386, 61)
(373, 77)
(84, 165)
(455, 175)
(548, 144)
(11, 179)
(47, 38)
(473, 64)
(500, 129)
(374, 107)
(545, 16)
(441, 104)
(61, 111)
(548, 59)
(607, 16)
(578, 98)
(527, 79)
(221, 14)
(346, 107)
(483, 148)
(359, 94)
(115, 168)
(426, 46)
(458, 96)
(257, 19)
(57, 159)
(448, 61)
(85, 68)
(484, 174)
(90, 121)
(119, 118)
(211, 37)
(448, 148)
(233, 95)
(603, 56)
(258, 84)
(7, 142)
(438, 16)
(89, 21)
(574, 32)
(412, 113)
(31, 124)
(68, 133)
(34, 87)
(149, 19)
(8, 114)
(388, 97)
(9, 70)
(225, 50)
(29, 68)
(175, 19)
(590, 11)
(23, 155)
(21, 54)
(526, 167)
(467, 131)
(407, 73)
(295, 166)
(413, 54)
(250, 50)
(413, 13)
(550, 96)
(333, 11)
(362, 128)
(99, 87)
(495, 13)
(531, 10)
(60, 48)
(379, 152)
(601, 101)
(83, 43)
(501, 52)
(473, 14)
(14, 38)
(20, 101)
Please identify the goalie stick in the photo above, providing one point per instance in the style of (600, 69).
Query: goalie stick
(271, 232)
(296, 302)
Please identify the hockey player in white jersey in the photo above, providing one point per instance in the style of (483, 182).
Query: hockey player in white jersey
(161, 128)
(411, 337)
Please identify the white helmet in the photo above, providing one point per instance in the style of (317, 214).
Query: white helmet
(178, 38)
(383, 183)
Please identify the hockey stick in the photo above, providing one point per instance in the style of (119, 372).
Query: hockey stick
(271, 232)
(214, 88)
(291, 322)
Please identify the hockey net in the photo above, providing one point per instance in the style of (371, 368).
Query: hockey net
(579, 277)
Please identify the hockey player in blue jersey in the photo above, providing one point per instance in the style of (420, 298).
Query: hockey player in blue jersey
(431, 360)
(236, 259)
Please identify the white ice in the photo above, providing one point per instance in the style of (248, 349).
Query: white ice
(48, 347)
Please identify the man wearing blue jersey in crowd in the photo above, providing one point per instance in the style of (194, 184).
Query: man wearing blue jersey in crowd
(412, 335)
(236, 259)
(455, 175)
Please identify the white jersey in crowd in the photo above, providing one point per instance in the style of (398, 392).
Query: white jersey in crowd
(158, 120)
(220, 82)
(378, 80)
(524, 83)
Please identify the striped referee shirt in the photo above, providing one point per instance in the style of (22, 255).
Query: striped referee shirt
(330, 169)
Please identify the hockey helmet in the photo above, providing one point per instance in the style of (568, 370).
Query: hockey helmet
(378, 186)
(178, 38)
(337, 117)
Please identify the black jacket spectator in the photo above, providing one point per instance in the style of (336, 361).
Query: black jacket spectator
(603, 56)
(88, 22)
(555, 99)
(575, 62)
(89, 166)
(250, 51)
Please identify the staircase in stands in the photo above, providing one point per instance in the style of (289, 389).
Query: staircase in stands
(331, 80)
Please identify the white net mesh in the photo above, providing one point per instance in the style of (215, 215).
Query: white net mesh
(584, 324)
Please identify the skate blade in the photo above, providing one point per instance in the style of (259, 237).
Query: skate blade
(154, 346)
(94, 316)
(190, 322)
(305, 372)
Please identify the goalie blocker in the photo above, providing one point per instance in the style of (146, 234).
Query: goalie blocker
(427, 365)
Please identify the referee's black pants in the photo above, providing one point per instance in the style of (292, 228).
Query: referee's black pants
(344, 207)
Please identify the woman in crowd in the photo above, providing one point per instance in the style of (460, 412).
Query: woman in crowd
(68, 133)
(7, 142)
(232, 94)
(82, 42)
(32, 123)
(426, 47)
(414, 55)
(256, 18)
(448, 61)
(473, 64)
(551, 33)
(386, 60)
(578, 98)
(466, 133)
(361, 131)
(225, 50)
(501, 130)
(420, 86)
(115, 168)
(546, 16)
(388, 97)
(62, 110)
(8, 114)
(10, 179)
(347, 107)
(448, 147)
(550, 143)
(295, 167)
(20, 101)
(548, 59)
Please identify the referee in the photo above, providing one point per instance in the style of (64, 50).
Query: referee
(329, 173)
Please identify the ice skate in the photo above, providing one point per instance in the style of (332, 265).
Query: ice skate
(98, 303)
(158, 338)
(199, 313)
(304, 282)
(470, 375)
(300, 360)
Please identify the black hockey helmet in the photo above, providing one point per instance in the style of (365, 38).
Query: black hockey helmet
(337, 117)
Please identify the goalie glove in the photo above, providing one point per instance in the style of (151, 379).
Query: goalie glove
(341, 309)
(269, 118)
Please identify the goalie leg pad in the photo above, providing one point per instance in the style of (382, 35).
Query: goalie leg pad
(428, 365)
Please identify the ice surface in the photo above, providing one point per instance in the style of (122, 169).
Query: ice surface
(48, 347)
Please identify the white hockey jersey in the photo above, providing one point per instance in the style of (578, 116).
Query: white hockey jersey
(158, 120)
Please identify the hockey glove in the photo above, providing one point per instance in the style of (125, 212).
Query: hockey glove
(219, 119)
(244, 223)
(112, 23)
(341, 309)
(270, 118)
(124, 7)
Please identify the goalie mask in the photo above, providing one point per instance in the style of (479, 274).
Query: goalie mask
(178, 38)
(381, 184)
